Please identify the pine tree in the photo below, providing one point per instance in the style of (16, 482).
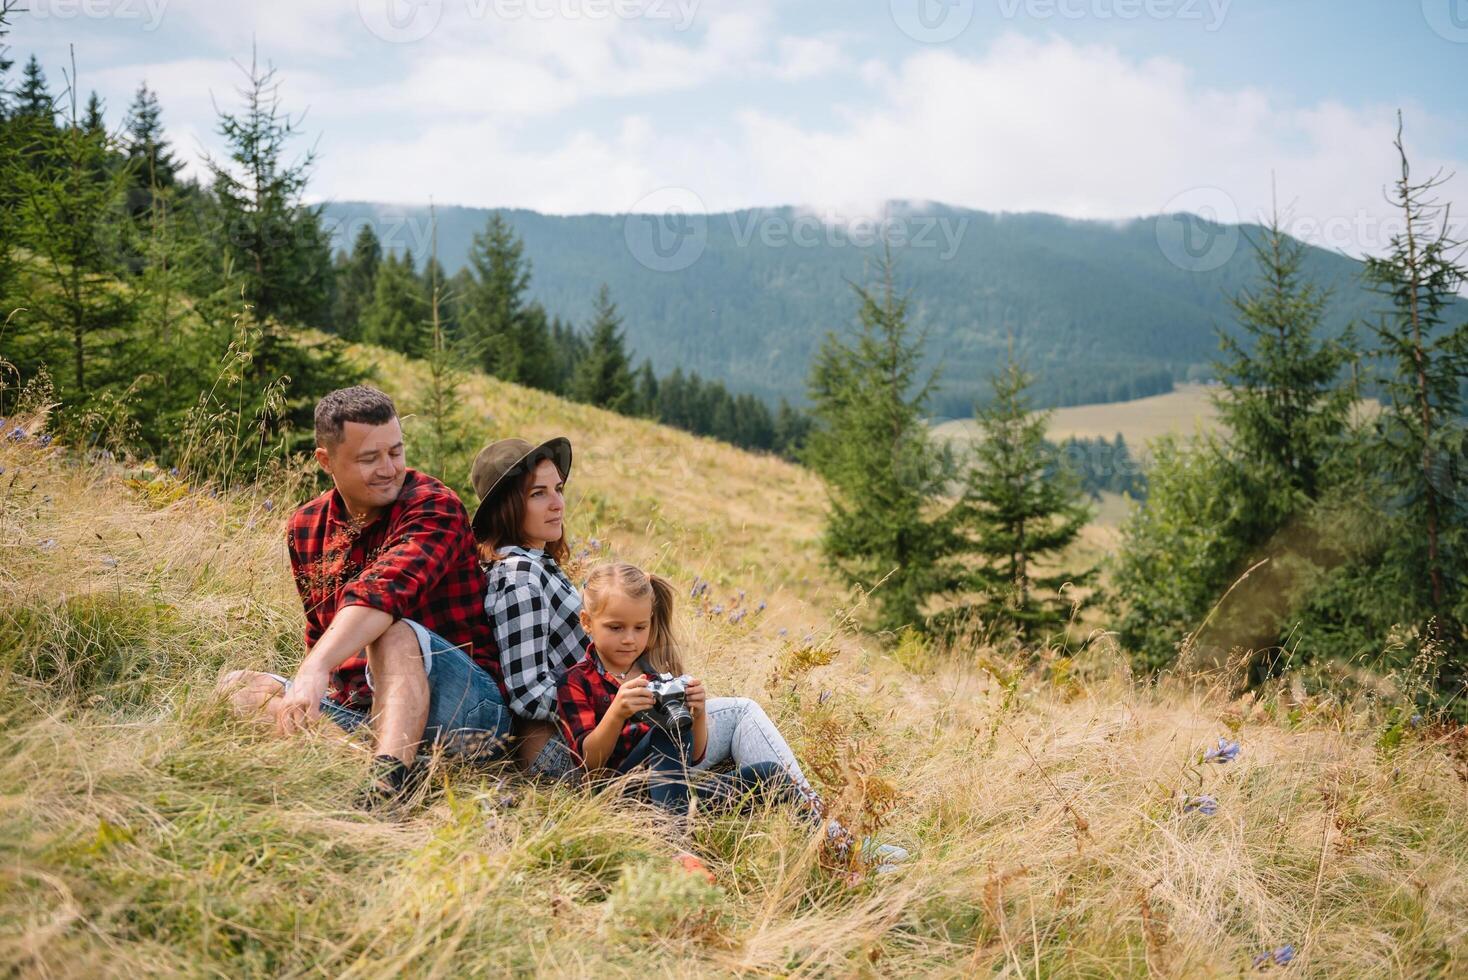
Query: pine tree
(646, 383)
(604, 376)
(538, 366)
(279, 252)
(276, 253)
(154, 167)
(883, 474)
(1282, 399)
(357, 283)
(494, 307)
(447, 441)
(9, 162)
(1421, 443)
(69, 211)
(398, 317)
(791, 429)
(5, 61)
(1020, 510)
(34, 102)
(568, 347)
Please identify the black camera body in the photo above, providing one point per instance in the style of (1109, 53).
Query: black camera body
(670, 703)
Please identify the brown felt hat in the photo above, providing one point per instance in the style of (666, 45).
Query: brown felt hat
(500, 463)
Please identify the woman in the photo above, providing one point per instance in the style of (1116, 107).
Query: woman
(532, 607)
(536, 615)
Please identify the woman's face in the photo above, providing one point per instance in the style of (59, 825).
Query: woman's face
(545, 506)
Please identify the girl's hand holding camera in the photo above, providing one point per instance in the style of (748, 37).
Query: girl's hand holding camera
(697, 697)
(632, 697)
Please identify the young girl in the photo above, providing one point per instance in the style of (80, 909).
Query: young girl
(602, 699)
(629, 615)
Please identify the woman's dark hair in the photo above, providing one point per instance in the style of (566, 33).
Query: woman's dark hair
(506, 522)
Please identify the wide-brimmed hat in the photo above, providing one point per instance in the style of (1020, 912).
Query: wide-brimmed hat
(499, 464)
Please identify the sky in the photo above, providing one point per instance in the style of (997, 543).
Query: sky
(1106, 109)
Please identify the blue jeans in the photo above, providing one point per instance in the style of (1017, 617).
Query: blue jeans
(466, 711)
(670, 778)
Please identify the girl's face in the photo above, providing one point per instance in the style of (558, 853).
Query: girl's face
(545, 506)
(619, 628)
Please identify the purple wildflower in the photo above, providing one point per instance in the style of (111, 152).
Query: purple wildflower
(1206, 805)
(760, 607)
(823, 697)
(17, 434)
(718, 610)
(43, 440)
(1275, 957)
(1225, 751)
(173, 471)
(595, 544)
(783, 631)
(269, 505)
(46, 544)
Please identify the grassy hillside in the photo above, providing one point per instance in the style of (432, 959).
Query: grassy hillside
(142, 831)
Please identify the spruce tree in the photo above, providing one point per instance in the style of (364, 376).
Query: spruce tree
(70, 202)
(646, 383)
(154, 167)
(568, 347)
(279, 252)
(356, 283)
(883, 474)
(604, 376)
(33, 100)
(493, 317)
(1421, 442)
(1020, 510)
(1282, 398)
(398, 317)
(276, 252)
(446, 441)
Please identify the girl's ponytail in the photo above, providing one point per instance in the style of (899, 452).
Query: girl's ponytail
(662, 643)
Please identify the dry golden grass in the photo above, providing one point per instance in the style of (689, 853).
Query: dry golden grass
(143, 831)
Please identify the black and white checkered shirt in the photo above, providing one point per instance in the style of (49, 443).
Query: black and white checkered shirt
(535, 611)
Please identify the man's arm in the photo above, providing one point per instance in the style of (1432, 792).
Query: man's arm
(350, 631)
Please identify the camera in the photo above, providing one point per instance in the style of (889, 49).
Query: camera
(670, 703)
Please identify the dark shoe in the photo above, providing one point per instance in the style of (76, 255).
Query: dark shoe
(392, 784)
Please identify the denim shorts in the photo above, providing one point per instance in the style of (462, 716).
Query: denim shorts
(466, 711)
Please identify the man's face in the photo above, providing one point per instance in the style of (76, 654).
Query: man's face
(367, 465)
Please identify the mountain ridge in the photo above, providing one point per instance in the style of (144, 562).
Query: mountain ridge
(1100, 310)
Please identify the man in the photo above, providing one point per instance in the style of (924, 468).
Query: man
(396, 634)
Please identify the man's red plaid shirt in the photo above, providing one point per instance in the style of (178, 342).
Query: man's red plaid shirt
(416, 561)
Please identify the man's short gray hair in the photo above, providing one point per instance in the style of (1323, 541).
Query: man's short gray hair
(359, 403)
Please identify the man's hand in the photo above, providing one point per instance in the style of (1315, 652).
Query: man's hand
(697, 697)
(301, 705)
(632, 697)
